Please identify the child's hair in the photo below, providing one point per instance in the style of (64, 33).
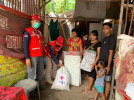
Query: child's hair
(108, 24)
(103, 63)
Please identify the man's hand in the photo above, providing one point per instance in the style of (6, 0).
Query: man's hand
(60, 61)
(28, 63)
(60, 65)
(108, 69)
(93, 65)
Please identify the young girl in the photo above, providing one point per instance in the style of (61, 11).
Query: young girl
(99, 83)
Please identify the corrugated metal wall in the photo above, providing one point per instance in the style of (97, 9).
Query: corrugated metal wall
(29, 7)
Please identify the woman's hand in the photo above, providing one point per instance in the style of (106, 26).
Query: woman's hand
(96, 68)
(80, 60)
(84, 53)
(93, 65)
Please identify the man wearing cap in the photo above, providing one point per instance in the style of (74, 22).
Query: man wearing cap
(33, 49)
(53, 53)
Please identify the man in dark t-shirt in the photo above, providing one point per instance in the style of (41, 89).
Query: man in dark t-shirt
(106, 54)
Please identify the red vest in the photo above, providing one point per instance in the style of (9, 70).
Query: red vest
(36, 43)
(56, 49)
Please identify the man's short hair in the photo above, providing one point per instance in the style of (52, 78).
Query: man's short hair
(108, 24)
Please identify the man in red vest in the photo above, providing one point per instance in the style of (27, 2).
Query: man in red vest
(53, 53)
(33, 49)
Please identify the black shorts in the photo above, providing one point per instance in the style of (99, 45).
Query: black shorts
(91, 74)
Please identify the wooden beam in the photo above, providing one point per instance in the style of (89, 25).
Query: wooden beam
(105, 0)
(129, 5)
(59, 18)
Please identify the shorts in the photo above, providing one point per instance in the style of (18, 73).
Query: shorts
(91, 74)
(100, 89)
(108, 77)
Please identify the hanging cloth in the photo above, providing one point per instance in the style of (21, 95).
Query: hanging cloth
(54, 31)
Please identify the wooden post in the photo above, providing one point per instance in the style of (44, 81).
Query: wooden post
(121, 16)
(36, 6)
(112, 83)
(15, 4)
(63, 31)
(20, 5)
(27, 6)
(3, 2)
(131, 20)
(126, 17)
(44, 10)
(9, 3)
(12, 3)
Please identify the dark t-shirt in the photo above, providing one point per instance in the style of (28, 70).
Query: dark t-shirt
(108, 43)
(94, 48)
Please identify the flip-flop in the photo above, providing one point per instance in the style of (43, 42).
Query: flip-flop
(86, 91)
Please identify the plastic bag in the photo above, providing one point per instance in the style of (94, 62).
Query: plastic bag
(62, 80)
(88, 59)
(130, 90)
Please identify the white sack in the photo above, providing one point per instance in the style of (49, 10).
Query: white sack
(62, 80)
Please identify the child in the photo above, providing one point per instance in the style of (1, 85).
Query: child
(99, 83)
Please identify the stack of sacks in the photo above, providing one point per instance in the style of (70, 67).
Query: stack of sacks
(11, 70)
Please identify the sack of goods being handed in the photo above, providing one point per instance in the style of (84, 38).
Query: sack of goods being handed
(62, 80)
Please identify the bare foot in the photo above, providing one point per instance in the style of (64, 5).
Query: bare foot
(87, 91)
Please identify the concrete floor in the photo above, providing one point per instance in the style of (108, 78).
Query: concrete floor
(74, 94)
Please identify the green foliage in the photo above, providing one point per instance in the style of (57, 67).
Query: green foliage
(60, 6)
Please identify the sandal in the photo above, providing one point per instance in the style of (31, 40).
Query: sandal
(86, 91)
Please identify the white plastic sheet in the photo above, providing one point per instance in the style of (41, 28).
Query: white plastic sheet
(72, 63)
(130, 90)
(88, 59)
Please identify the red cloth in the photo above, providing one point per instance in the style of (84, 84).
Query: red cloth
(12, 93)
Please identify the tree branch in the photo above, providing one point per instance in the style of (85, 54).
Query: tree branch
(45, 3)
